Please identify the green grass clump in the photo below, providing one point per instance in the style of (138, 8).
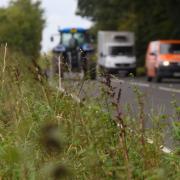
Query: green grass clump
(45, 134)
(141, 71)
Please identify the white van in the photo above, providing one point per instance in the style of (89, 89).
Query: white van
(116, 51)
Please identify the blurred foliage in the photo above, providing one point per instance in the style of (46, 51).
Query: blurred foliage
(141, 71)
(153, 20)
(21, 25)
(45, 134)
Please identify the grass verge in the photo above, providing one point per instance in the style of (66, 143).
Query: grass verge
(45, 134)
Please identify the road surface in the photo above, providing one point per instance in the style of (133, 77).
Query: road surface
(158, 98)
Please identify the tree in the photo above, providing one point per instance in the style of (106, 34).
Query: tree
(150, 20)
(21, 26)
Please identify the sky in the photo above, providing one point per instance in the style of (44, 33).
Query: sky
(58, 13)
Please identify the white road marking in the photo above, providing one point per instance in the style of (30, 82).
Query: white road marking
(118, 81)
(169, 89)
(140, 84)
(132, 83)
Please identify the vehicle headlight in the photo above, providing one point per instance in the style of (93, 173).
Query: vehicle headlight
(165, 63)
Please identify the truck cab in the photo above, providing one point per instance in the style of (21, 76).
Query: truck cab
(116, 51)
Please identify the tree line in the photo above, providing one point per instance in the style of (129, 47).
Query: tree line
(21, 26)
(150, 19)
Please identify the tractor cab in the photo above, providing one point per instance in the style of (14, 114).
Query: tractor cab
(75, 48)
(80, 34)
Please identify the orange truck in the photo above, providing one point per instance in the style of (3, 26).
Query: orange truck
(163, 60)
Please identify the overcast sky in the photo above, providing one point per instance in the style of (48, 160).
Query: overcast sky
(58, 13)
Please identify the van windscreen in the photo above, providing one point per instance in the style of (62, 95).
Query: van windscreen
(121, 50)
(170, 48)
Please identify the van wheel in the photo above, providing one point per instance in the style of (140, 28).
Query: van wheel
(158, 78)
(149, 79)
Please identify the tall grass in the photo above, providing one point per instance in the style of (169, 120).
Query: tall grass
(45, 134)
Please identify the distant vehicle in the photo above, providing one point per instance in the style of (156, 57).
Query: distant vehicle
(163, 60)
(116, 52)
(76, 51)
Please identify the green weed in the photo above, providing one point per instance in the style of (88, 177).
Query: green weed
(45, 134)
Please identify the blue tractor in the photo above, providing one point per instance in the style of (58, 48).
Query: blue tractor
(76, 52)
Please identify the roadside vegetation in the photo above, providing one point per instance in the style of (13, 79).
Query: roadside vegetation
(21, 26)
(46, 134)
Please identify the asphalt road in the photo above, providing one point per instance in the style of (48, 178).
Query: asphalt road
(158, 99)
